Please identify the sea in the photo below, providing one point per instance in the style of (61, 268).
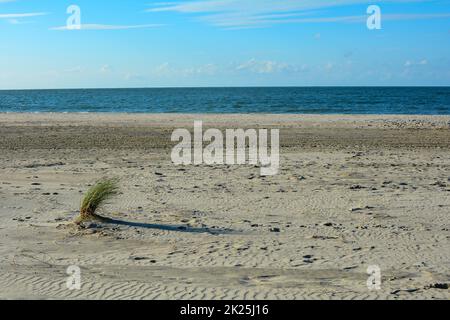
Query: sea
(275, 100)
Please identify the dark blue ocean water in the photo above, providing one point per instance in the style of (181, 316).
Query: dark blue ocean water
(318, 100)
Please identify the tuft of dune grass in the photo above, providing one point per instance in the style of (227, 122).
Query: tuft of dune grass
(95, 197)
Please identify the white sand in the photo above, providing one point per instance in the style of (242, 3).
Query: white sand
(353, 191)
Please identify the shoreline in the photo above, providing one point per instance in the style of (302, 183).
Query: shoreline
(442, 120)
(365, 115)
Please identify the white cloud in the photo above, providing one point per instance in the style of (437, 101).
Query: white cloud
(410, 63)
(262, 67)
(21, 15)
(329, 66)
(168, 70)
(107, 27)
(16, 18)
(105, 68)
(262, 6)
(76, 69)
(236, 14)
(130, 76)
(420, 16)
(251, 66)
(268, 67)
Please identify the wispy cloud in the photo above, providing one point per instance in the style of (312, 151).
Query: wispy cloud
(107, 27)
(410, 63)
(422, 16)
(250, 13)
(168, 70)
(106, 68)
(251, 66)
(250, 6)
(21, 15)
(17, 18)
(268, 67)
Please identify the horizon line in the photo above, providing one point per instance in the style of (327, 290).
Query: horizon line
(229, 87)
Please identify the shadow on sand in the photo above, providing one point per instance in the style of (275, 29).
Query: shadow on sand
(177, 228)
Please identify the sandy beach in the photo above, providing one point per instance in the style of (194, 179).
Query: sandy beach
(352, 192)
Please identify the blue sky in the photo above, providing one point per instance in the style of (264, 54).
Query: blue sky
(144, 43)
